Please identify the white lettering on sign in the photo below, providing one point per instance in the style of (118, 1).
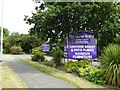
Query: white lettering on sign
(72, 50)
(82, 53)
(85, 36)
(76, 46)
(88, 50)
(81, 42)
(76, 50)
(89, 46)
(74, 56)
(82, 46)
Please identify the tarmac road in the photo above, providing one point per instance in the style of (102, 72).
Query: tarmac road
(31, 76)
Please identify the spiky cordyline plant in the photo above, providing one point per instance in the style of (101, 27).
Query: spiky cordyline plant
(110, 64)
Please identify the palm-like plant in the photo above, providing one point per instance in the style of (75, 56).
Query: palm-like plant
(57, 54)
(110, 64)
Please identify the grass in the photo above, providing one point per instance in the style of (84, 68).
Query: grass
(74, 80)
(9, 78)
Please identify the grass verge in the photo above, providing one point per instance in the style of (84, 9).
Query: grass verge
(9, 78)
(76, 81)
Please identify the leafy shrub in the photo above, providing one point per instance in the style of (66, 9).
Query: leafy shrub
(16, 50)
(57, 54)
(73, 66)
(36, 50)
(110, 64)
(83, 63)
(83, 69)
(38, 57)
(49, 63)
(38, 54)
(92, 74)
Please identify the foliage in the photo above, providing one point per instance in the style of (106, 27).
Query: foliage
(49, 63)
(83, 69)
(38, 54)
(92, 74)
(56, 19)
(5, 36)
(16, 50)
(26, 41)
(36, 50)
(5, 32)
(73, 66)
(57, 54)
(117, 39)
(110, 64)
(11, 40)
(38, 57)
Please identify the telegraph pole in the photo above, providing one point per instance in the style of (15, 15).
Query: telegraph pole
(1, 36)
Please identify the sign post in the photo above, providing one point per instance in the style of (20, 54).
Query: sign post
(45, 47)
(83, 46)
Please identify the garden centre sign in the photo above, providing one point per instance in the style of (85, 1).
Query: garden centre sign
(82, 46)
(45, 47)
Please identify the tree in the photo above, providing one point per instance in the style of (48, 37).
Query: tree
(5, 36)
(11, 40)
(5, 32)
(56, 20)
(25, 41)
(29, 42)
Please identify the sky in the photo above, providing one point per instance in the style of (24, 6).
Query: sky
(13, 14)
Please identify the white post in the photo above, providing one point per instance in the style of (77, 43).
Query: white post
(1, 36)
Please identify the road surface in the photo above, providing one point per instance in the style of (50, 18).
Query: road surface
(31, 76)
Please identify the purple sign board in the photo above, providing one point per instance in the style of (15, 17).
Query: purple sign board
(82, 46)
(45, 47)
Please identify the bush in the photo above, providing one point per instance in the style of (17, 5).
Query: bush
(83, 69)
(110, 64)
(57, 55)
(73, 66)
(38, 57)
(16, 50)
(49, 63)
(36, 50)
(83, 63)
(92, 74)
(38, 54)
